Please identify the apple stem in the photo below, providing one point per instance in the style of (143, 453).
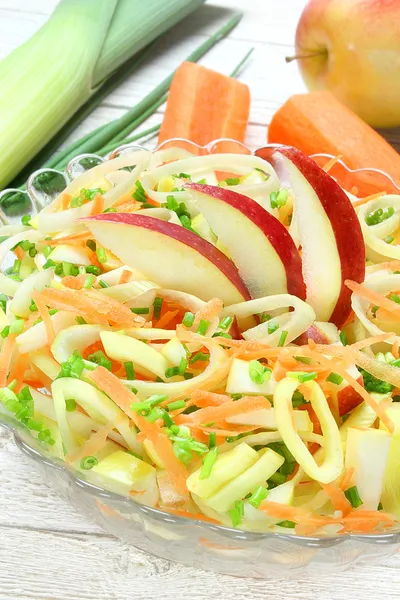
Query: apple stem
(289, 59)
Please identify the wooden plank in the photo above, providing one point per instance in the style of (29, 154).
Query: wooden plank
(43, 565)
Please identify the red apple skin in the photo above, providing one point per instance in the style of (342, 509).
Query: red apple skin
(348, 398)
(273, 229)
(184, 236)
(313, 333)
(357, 48)
(343, 219)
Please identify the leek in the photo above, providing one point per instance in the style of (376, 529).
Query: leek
(66, 62)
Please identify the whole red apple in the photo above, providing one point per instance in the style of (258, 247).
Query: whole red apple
(352, 48)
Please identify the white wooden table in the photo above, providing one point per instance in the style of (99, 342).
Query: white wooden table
(47, 551)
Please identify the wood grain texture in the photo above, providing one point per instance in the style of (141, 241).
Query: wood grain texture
(47, 550)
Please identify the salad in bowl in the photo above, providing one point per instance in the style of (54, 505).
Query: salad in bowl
(213, 336)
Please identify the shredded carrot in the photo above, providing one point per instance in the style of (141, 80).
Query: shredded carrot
(75, 238)
(373, 297)
(369, 198)
(74, 283)
(332, 162)
(166, 319)
(92, 445)
(393, 265)
(123, 398)
(395, 349)
(18, 371)
(203, 399)
(207, 312)
(126, 276)
(6, 354)
(92, 306)
(97, 205)
(348, 476)
(229, 409)
(39, 300)
(337, 497)
(19, 253)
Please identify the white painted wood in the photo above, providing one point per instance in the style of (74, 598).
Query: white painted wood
(47, 550)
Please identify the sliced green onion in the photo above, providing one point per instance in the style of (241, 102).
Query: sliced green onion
(277, 478)
(208, 463)
(157, 304)
(171, 372)
(258, 496)
(212, 439)
(101, 255)
(17, 326)
(203, 327)
(353, 496)
(272, 327)
(103, 284)
(282, 339)
(287, 524)
(154, 415)
(182, 452)
(199, 356)
(304, 359)
(335, 378)
(177, 405)
(93, 270)
(70, 405)
(302, 376)
(80, 320)
(236, 514)
(129, 370)
(182, 366)
(100, 359)
(298, 399)
(343, 338)
(26, 220)
(88, 462)
(222, 334)
(259, 373)
(188, 319)
(226, 322)
(5, 331)
(140, 311)
(89, 281)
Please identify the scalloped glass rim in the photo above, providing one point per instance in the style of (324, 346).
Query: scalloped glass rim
(34, 449)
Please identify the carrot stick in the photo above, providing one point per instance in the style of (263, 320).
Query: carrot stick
(18, 371)
(75, 238)
(44, 313)
(204, 106)
(374, 297)
(97, 204)
(318, 123)
(203, 399)
(5, 358)
(166, 319)
(362, 201)
(65, 200)
(229, 409)
(337, 496)
(92, 445)
(211, 309)
(125, 276)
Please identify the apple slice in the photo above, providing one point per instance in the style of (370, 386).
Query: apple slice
(171, 255)
(330, 234)
(259, 245)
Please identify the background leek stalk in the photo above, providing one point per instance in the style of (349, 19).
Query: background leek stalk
(46, 80)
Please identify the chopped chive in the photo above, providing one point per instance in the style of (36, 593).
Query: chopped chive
(88, 462)
(100, 359)
(157, 304)
(188, 375)
(287, 524)
(236, 396)
(129, 370)
(103, 284)
(199, 356)
(92, 245)
(49, 263)
(353, 496)
(388, 239)
(203, 327)
(25, 220)
(258, 496)
(298, 399)
(222, 334)
(188, 319)
(282, 339)
(177, 405)
(17, 266)
(208, 463)
(230, 181)
(182, 452)
(374, 309)
(272, 327)
(277, 478)
(140, 311)
(236, 514)
(259, 373)
(264, 317)
(101, 255)
(302, 376)
(32, 306)
(70, 405)
(89, 281)
(303, 359)
(182, 366)
(171, 372)
(139, 194)
(343, 338)
(53, 311)
(212, 439)
(93, 270)
(154, 415)
(226, 322)
(335, 378)
(168, 422)
(80, 320)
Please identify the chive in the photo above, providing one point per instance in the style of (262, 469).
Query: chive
(129, 370)
(80, 320)
(70, 405)
(25, 220)
(199, 356)
(236, 396)
(298, 399)
(17, 326)
(395, 298)
(32, 306)
(303, 359)
(258, 496)
(101, 255)
(222, 334)
(380, 506)
(203, 327)
(343, 338)
(140, 311)
(264, 317)
(258, 373)
(287, 524)
(168, 422)
(182, 452)
(231, 181)
(171, 372)
(53, 311)
(154, 415)
(49, 263)
(92, 245)
(103, 284)
(89, 281)
(335, 378)
(17, 266)
(208, 463)
(353, 496)
(272, 327)
(277, 478)
(302, 376)
(182, 366)
(202, 181)
(3, 302)
(88, 462)
(188, 375)
(226, 322)
(177, 405)
(100, 359)
(282, 339)
(93, 270)
(212, 439)
(139, 194)
(236, 514)
(157, 304)
(188, 319)
(388, 239)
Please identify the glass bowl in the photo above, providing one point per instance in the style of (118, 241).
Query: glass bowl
(187, 541)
